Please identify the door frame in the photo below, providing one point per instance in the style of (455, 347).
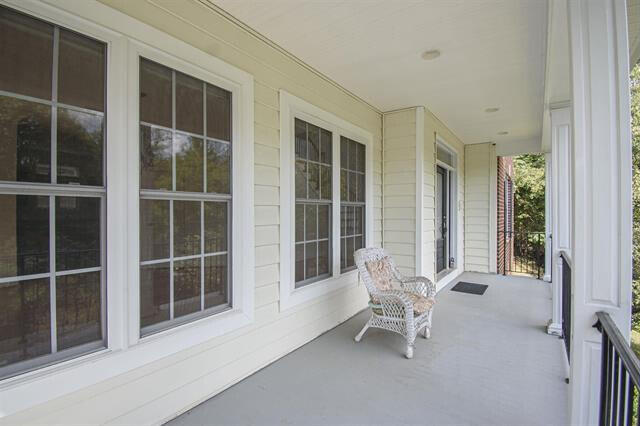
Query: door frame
(451, 243)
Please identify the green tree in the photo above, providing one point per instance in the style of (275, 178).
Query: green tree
(529, 186)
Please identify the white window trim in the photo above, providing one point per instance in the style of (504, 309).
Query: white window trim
(125, 350)
(454, 222)
(292, 107)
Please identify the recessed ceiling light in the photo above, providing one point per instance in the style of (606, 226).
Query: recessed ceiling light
(494, 109)
(430, 54)
(502, 133)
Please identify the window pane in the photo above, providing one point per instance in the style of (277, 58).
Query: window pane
(186, 287)
(323, 257)
(24, 235)
(353, 186)
(155, 158)
(299, 262)
(81, 73)
(78, 309)
(344, 153)
(358, 244)
(351, 220)
(301, 139)
(311, 257)
(189, 163)
(155, 93)
(323, 221)
(361, 157)
(353, 155)
(325, 146)
(325, 182)
(343, 221)
(350, 248)
(358, 221)
(80, 142)
(344, 185)
(343, 253)
(215, 281)
(154, 293)
(154, 229)
(189, 104)
(299, 222)
(314, 142)
(25, 327)
(301, 179)
(25, 140)
(77, 233)
(311, 224)
(218, 167)
(361, 188)
(26, 44)
(215, 227)
(186, 228)
(314, 181)
(218, 113)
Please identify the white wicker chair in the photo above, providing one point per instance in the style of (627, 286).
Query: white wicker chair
(406, 308)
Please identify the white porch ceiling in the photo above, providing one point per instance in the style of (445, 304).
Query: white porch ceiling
(493, 55)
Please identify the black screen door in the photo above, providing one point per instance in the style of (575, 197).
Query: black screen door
(442, 208)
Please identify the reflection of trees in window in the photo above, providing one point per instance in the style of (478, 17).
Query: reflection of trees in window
(33, 156)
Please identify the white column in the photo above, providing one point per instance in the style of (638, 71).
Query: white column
(601, 154)
(548, 220)
(560, 195)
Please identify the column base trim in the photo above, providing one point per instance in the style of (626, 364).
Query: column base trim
(554, 329)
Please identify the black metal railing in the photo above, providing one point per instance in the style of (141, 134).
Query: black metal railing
(566, 303)
(523, 252)
(619, 376)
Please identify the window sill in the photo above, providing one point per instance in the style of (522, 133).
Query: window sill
(292, 298)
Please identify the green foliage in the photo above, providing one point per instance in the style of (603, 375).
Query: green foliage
(635, 141)
(529, 192)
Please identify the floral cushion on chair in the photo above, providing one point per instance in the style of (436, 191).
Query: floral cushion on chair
(421, 304)
(380, 271)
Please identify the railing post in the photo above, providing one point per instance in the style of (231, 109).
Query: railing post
(555, 323)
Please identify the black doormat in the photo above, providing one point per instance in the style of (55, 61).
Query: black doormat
(471, 288)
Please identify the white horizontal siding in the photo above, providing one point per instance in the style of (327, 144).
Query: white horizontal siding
(400, 188)
(478, 209)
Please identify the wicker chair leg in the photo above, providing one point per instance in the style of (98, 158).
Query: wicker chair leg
(426, 332)
(364, 329)
(409, 353)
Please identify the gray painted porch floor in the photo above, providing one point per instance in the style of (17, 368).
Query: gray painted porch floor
(488, 362)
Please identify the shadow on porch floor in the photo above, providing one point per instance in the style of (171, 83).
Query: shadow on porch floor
(489, 362)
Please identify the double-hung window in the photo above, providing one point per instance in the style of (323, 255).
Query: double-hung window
(352, 200)
(313, 146)
(52, 193)
(325, 195)
(185, 197)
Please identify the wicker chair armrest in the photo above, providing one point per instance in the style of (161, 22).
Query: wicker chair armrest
(419, 285)
(395, 304)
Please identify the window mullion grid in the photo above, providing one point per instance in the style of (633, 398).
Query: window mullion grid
(170, 259)
(304, 241)
(204, 137)
(173, 188)
(202, 255)
(52, 272)
(54, 107)
(52, 199)
(204, 188)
